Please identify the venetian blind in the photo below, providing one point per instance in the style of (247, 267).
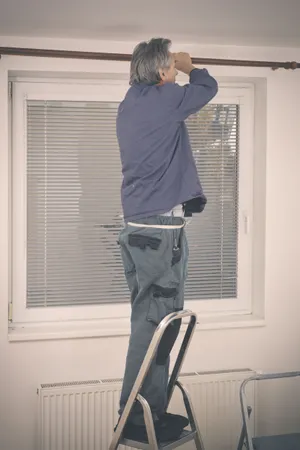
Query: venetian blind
(74, 211)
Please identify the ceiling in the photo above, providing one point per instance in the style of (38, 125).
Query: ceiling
(232, 22)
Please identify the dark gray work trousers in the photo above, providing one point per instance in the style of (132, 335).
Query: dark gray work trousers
(155, 265)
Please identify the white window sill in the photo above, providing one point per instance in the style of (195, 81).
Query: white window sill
(116, 327)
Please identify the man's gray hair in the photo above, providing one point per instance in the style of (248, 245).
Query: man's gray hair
(147, 59)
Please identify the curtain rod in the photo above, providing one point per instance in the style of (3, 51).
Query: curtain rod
(127, 57)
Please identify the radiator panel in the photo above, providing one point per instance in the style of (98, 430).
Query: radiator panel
(82, 415)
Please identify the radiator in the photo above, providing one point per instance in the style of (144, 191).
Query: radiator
(81, 415)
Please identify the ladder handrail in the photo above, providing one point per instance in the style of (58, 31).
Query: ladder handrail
(270, 376)
(181, 355)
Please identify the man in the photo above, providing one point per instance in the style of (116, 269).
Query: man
(160, 186)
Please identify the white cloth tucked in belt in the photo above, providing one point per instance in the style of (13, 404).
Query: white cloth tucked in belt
(177, 211)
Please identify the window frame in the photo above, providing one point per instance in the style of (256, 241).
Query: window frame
(114, 90)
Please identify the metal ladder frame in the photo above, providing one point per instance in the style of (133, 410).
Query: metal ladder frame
(187, 436)
(246, 438)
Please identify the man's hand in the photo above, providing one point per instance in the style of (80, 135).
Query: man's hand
(183, 62)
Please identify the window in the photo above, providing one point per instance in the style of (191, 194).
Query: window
(67, 212)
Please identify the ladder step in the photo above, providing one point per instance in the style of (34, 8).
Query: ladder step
(186, 436)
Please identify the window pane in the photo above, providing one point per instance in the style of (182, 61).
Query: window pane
(73, 189)
(74, 177)
(213, 234)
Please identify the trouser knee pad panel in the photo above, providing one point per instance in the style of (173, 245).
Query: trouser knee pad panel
(167, 342)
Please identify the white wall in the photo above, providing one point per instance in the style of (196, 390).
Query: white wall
(274, 346)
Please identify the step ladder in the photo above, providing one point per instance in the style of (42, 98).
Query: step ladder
(186, 436)
(275, 442)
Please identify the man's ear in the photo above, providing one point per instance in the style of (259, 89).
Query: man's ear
(162, 74)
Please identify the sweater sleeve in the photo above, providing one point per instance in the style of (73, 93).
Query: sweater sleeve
(189, 99)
